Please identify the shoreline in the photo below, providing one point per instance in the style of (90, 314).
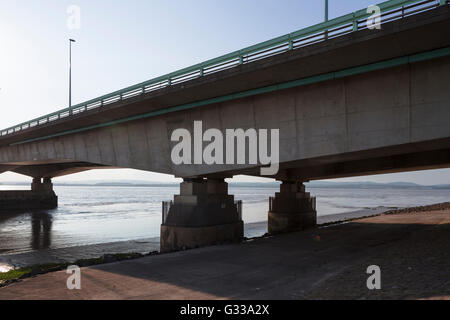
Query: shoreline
(9, 261)
(44, 261)
(410, 246)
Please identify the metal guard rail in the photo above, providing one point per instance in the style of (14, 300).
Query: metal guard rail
(390, 10)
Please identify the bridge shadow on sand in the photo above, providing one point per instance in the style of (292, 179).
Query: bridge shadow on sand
(326, 263)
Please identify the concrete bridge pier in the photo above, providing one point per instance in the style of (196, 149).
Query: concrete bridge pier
(202, 214)
(41, 196)
(292, 209)
(42, 185)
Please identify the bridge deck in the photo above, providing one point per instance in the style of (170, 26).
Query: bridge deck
(346, 51)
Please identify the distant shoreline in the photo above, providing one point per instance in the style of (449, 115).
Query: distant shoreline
(312, 185)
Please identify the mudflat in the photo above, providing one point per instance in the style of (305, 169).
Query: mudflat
(411, 247)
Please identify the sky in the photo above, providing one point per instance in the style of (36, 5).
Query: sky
(121, 43)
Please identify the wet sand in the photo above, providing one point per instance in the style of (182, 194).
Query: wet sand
(142, 246)
(71, 254)
(412, 248)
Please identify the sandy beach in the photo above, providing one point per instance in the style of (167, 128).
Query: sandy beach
(411, 246)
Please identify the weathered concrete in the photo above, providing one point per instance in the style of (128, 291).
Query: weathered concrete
(41, 196)
(27, 200)
(412, 251)
(203, 214)
(43, 186)
(292, 209)
(178, 238)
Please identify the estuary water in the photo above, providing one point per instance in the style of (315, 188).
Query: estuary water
(89, 215)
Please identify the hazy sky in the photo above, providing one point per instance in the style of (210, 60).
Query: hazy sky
(121, 43)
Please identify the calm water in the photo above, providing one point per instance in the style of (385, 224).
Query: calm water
(93, 215)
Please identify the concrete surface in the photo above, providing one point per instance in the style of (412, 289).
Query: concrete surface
(41, 196)
(27, 199)
(292, 209)
(202, 214)
(412, 250)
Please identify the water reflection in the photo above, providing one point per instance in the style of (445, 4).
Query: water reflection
(100, 214)
(41, 226)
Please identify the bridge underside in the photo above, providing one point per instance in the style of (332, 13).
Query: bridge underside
(433, 154)
(412, 157)
(51, 169)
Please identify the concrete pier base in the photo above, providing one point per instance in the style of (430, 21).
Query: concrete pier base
(292, 209)
(41, 196)
(203, 214)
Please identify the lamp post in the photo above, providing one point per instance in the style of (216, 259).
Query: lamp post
(326, 18)
(70, 75)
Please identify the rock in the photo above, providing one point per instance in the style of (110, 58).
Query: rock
(35, 270)
(109, 258)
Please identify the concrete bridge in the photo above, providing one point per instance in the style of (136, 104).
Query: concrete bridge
(347, 101)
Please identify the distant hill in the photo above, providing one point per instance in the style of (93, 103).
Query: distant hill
(441, 186)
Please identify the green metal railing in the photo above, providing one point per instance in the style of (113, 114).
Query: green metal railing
(390, 10)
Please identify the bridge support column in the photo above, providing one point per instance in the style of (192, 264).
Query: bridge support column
(41, 196)
(292, 209)
(203, 214)
(44, 187)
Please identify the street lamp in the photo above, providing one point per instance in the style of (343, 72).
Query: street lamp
(70, 75)
(326, 18)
